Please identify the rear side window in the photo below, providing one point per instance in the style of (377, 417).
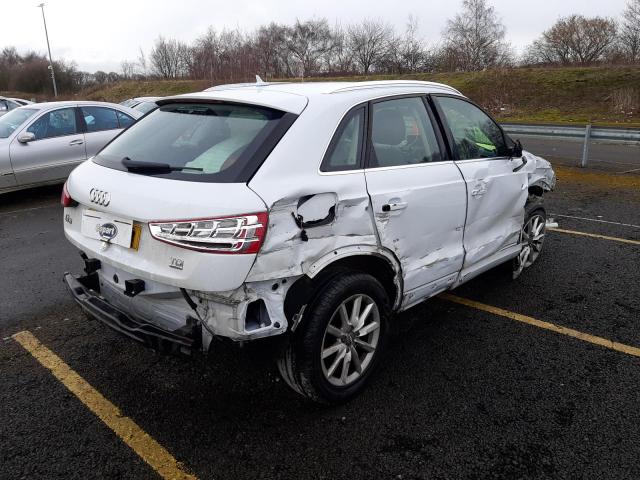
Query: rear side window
(125, 120)
(57, 123)
(475, 134)
(402, 134)
(345, 150)
(212, 142)
(99, 118)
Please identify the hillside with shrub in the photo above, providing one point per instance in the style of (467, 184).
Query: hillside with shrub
(598, 95)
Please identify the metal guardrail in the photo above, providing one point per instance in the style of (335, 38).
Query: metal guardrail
(627, 136)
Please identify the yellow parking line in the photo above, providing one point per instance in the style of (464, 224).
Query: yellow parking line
(137, 439)
(594, 235)
(585, 337)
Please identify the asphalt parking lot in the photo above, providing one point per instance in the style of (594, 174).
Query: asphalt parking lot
(507, 379)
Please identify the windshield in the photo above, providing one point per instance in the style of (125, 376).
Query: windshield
(216, 142)
(12, 120)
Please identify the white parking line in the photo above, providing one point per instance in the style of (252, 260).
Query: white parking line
(595, 220)
(13, 212)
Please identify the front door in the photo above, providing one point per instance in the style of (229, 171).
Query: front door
(417, 194)
(57, 149)
(496, 194)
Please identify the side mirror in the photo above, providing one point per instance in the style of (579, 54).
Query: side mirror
(27, 137)
(516, 149)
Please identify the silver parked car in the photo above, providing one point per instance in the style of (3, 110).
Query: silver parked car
(8, 104)
(41, 143)
(142, 104)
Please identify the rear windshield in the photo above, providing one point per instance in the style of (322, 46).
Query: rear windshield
(211, 142)
(12, 120)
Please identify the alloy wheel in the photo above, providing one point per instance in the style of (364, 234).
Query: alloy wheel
(532, 238)
(350, 340)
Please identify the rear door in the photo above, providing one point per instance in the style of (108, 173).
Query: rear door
(496, 194)
(417, 194)
(101, 125)
(57, 149)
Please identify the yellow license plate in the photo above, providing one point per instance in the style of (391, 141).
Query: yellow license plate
(135, 236)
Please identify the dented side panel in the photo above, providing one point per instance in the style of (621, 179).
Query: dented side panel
(496, 198)
(300, 233)
(321, 213)
(424, 223)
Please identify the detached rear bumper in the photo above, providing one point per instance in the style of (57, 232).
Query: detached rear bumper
(86, 292)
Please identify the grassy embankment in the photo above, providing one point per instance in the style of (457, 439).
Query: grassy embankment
(598, 95)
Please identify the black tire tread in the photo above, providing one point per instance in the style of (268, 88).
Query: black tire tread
(294, 365)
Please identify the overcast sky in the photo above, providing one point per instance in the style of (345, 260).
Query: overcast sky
(99, 35)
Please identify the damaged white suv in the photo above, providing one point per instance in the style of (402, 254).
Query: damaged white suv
(308, 211)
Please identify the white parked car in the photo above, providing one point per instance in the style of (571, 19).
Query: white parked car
(310, 212)
(41, 143)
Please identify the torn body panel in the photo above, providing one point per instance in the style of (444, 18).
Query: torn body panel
(496, 196)
(419, 213)
(254, 310)
(540, 172)
(305, 228)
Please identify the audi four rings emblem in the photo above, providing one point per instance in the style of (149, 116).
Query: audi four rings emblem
(99, 197)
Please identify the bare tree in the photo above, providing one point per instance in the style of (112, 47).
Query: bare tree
(413, 51)
(168, 58)
(339, 58)
(142, 63)
(630, 31)
(308, 42)
(270, 46)
(369, 41)
(128, 69)
(574, 40)
(474, 38)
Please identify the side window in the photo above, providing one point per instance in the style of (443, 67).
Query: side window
(55, 124)
(475, 134)
(99, 118)
(4, 106)
(125, 120)
(346, 147)
(402, 134)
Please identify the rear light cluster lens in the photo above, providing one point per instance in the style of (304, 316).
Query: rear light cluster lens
(237, 234)
(65, 198)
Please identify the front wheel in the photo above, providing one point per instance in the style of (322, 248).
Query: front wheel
(532, 238)
(339, 341)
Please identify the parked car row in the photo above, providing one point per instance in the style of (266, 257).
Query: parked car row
(8, 104)
(41, 143)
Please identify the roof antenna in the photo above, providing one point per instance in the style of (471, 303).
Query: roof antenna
(259, 80)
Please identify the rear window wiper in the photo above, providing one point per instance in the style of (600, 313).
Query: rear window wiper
(155, 167)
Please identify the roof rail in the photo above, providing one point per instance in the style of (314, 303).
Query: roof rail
(230, 86)
(394, 83)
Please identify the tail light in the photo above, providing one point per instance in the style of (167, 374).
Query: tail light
(65, 198)
(237, 234)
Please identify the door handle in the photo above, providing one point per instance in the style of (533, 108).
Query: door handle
(76, 142)
(388, 207)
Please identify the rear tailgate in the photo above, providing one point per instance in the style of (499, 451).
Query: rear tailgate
(141, 199)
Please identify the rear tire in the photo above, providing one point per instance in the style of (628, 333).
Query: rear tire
(339, 342)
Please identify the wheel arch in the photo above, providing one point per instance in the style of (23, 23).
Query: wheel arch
(377, 262)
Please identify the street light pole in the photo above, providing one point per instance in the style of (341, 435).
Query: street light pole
(53, 75)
